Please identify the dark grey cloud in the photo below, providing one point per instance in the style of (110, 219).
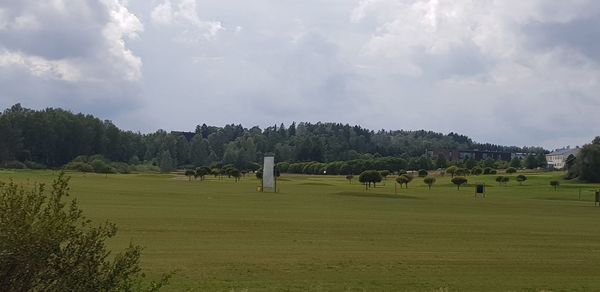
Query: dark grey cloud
(581, 34)
(69, 54)
(46, 31)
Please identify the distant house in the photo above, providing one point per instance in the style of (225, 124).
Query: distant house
(558, 157)
(455, 154)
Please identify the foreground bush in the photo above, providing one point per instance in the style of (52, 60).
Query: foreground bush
(47, 245)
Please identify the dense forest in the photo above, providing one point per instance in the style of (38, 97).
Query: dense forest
(55, 137)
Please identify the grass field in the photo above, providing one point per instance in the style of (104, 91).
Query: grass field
(324, 234)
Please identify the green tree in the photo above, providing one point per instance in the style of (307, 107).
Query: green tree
(489, 163)
(190, 173)
(511, 170)
(429, 181)
(531, 162)
(48, 245)
(166, 162)
(470, 163)
(588, 162)
(515, 163)
(199, 151)
(235, 173)
(349, 178)
(459, 180)
(521, 178)
(541, 160)
(370, 176)
(441, 162)
(201, 172)
(345, 168)
(452, 170)
(476, 170)
(462, 172)
(216, 172)
(571, 166)
(404, 179)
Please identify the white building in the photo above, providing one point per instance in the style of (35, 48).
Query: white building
(558, 157)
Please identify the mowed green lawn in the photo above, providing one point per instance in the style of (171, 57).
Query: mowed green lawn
(324, 234)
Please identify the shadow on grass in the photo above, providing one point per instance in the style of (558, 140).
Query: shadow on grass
(377, 195)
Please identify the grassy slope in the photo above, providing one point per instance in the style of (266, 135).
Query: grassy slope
(323, 234)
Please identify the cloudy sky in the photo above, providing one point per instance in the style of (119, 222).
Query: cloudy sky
(516, 72)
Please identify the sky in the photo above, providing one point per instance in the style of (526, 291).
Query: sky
(511, 72)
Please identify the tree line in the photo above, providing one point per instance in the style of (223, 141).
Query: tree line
(54, 137)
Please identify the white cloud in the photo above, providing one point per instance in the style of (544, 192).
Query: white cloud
(40, 67)
(185, 20)
(122, 24)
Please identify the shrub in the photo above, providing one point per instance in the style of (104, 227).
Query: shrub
(146, 168)
(79, 166)
(511, 170)
(423, 173)
(35, 165)
(283, 166)
(48, 245)
(15, 165)
(100, 166)
(82, 158)
(487, 170)
(493, 171)
(121, 167)
(476, 170)
(499, 179)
